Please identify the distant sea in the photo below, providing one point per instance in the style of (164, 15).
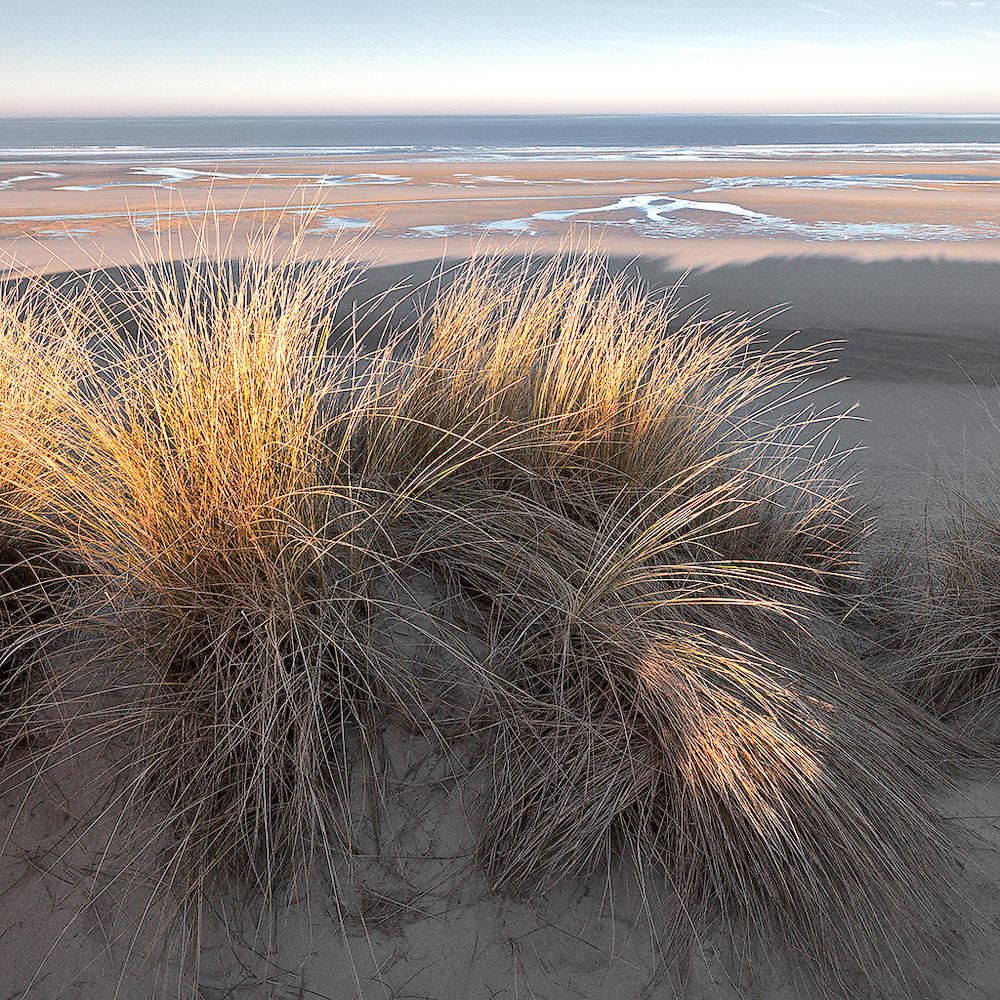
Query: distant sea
(505, 137)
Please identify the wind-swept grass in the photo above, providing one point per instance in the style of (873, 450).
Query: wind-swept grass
(204, 477)
(643, 511)
(664, 562)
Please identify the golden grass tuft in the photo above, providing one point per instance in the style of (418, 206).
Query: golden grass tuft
(664, 562)
(202, 473)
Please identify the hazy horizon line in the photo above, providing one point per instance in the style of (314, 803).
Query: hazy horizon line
(495, 114)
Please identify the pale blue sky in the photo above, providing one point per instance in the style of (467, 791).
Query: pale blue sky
(306, 56)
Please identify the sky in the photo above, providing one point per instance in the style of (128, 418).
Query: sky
(67, 57)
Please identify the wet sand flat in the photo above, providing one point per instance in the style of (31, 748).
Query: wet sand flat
(56, 215)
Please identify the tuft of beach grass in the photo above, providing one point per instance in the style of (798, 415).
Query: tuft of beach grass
(204, 476)
(940, 607)
(664, 553)
(647, 523)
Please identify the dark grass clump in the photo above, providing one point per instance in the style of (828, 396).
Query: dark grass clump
(39, 345)
(941, 613)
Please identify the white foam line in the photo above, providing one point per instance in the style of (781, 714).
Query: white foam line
(339, 180)
(176, 175)
(543, 182)
(615, 180)
(101, 187)
(832, 182)
(655, 207)
(171, 176)
(963, 151)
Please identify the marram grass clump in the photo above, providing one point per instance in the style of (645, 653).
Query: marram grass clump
(647, 524)
(204, 474)
(941, 610)
(664, 561)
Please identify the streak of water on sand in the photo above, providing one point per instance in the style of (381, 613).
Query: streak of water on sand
(658, 220)
(655, 207)
(333, 223)
(541, 181)
(9, 182)
(655, 215)
(663, 216)
(196, 213)
(171, 176)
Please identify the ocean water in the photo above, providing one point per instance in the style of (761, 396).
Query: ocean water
(505, 137)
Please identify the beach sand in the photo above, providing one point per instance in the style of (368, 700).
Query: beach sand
(919, 325)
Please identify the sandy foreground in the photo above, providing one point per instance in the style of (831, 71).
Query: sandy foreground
(81, 915)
